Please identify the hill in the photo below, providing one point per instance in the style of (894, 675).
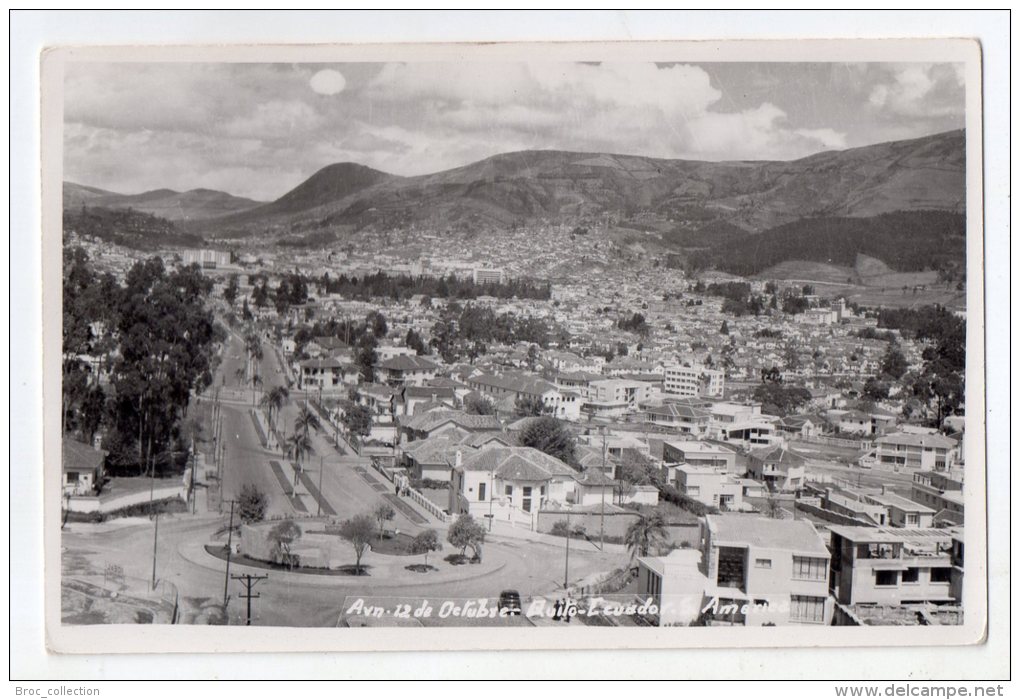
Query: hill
(126, 227)
(513, 190)
(192, 205)
(905, 241)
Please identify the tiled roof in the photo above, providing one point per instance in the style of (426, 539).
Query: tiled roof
(77, 456)
(427, 422)
(517, 463)
(520, 383)
(913, 439)
(778, 455)
(407, 363)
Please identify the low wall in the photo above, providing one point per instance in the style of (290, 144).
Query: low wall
(831, 515)
(95, 504)
(616, 523)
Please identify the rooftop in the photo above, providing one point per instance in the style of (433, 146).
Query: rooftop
(795, 535)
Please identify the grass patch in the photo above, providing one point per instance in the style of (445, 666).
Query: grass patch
(220, 552)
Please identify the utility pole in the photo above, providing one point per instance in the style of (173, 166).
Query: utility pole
(318, 501)
(602, 513)
(230, 549)
(249, 581)
(155, 516)
(566, 561)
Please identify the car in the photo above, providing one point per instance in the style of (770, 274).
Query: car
(510, 603)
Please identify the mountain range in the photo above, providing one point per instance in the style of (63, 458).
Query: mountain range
(192, 205)
(687, 202)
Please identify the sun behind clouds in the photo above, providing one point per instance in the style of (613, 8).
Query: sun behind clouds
(328, 82)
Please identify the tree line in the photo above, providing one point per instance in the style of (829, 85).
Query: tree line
(133, 353)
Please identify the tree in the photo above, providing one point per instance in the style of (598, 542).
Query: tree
(724, 328)
(251, 505)
(532, 358)
(306, 421)
(273, 400)
(772, 508)
(230, 291)
(357, 420)
(550, 436)
(384, 512)
(530, 406)
(359, 531)
(644, 534)
(426, 542)
(779, 399)
(894, 364)
(467, 532)
(298, 446)
(282, 536)
(876, 389)
(478, 405)
(414, 341)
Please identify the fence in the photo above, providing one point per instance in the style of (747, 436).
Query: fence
(93, 504)
(414, 495)
(850, 443)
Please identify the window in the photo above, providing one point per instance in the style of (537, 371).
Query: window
(911, 575)
(810, 568)
(481, 491)
(763, 563)
(941, 574)
(886, 578)
(805, 608)
(72, 477)
(693, 490)
(912, 519)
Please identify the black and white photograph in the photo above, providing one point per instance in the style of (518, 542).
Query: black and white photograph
(506, 345)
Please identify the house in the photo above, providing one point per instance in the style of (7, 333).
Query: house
(82, 468)
(325, 374)
(509, 483)
(326, 346)
(698, 453)
(410, 399)
(903, 512)
(431, 423)
(927, 452)
(798, 426)
(710, 486)
(518, 386)
(693, 380)
(882, 565)
(853, 422)
(742, 424)
(883, 509)
(781, 470)
(749, 570)
(685, 417)
(433, 458)
(406, 370)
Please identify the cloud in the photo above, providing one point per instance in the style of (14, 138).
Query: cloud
(260, 129)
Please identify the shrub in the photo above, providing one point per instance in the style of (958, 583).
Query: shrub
(251, 506)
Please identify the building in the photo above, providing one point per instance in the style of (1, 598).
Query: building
(748, 570)
(82, 468)
(941, 492)
(710, 486)
(207, 259)
(883, 509)
(928, 452)
(887, 566)
(698, 453)
(509, 483)
(780, 469)
(430, 423)
(518, 386)
(488, 275)
(403, 370)
(683, 417)
(693, 380)
(742, 425)
(613, 398)
(326, 374)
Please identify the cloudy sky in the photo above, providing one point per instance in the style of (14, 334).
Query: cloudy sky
(257, 130)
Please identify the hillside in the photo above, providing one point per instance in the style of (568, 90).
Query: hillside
(192, 205)
(905, 241)
(126, 227)
(511, 190)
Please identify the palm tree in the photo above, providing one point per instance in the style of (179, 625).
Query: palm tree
(239, 375)
(306, 420)
(256, 381)
(650, 531)
(273, 400)
(298, 447)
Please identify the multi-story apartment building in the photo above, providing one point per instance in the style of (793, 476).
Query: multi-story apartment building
(742, 424)
(404, 370)
(562, 404)
(941, 492)
(749, 570)
(699, 454)
(929, 452)
(710, 486)
(887, 566)
(207, 259)
(615, 397)
(693, 380)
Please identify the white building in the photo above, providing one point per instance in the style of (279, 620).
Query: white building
(695, 380)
